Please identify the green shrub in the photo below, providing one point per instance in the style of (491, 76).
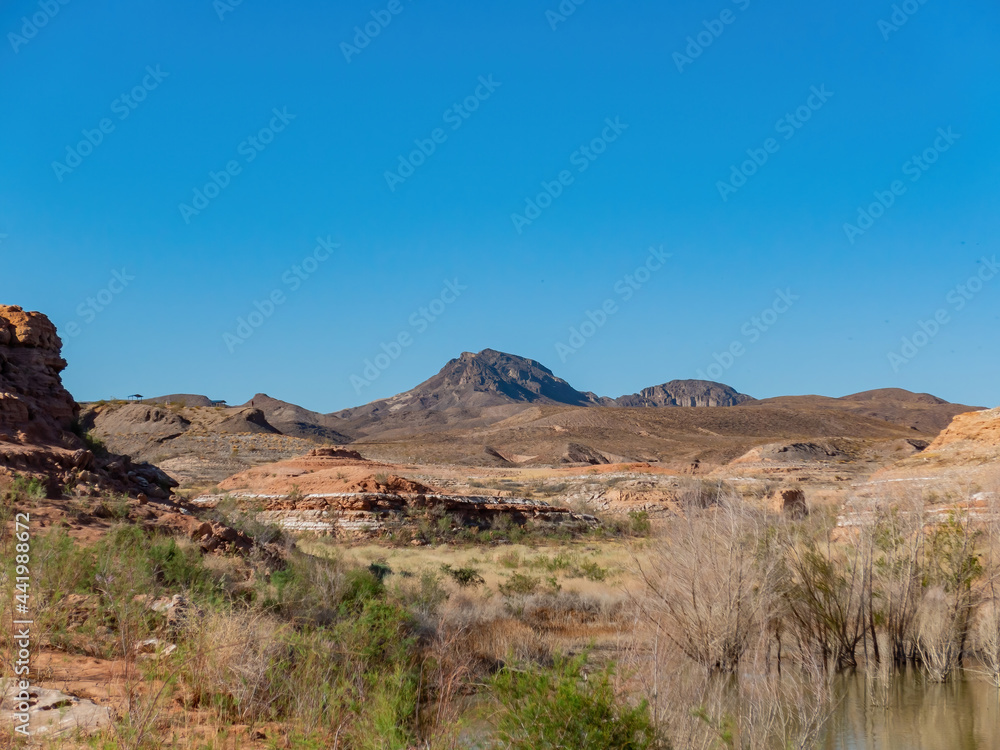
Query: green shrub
(542, 709)
(28, 488)
(467, 576)
(178, 567)
(593, 572)
(380, 569)
(424, 596)
(639, 523)
(519, 584)
(362, 586)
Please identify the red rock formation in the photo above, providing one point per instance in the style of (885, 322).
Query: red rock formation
(38, 415)
(34, 406)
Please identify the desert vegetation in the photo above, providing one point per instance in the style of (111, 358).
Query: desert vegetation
(724, 626)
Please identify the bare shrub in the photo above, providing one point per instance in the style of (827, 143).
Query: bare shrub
(490, 631)
(937, 635)
(878, 675)
(711, 583)
(987, 639)
(788, 710)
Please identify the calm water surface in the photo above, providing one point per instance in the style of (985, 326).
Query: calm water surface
(961, 715)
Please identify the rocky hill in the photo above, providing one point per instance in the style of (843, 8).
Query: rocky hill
(967, 451)
(922, 412)
(294, 421)
(682, 439)
(974, 436)
(193, 444)
(700, 393)
(476, 381)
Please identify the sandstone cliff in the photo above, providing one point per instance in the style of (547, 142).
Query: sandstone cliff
(38, 417)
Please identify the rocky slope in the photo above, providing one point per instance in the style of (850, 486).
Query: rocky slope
(38, 417)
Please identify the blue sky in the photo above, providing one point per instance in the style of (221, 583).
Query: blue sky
(444, 256)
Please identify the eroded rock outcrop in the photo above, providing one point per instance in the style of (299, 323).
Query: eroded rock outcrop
(692, 393)
(971, 436)
(34, 406)
(964, 457)
(38, 416)
(337, 491)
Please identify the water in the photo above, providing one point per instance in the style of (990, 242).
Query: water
(963, 714)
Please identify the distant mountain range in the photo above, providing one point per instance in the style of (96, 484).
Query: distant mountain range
(501, 409)
(477, 390)
(490, 379)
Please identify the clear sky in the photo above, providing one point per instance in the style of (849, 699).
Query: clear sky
(494, 174)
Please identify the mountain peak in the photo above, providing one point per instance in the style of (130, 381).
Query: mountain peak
(507, 377)
(475, 381)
